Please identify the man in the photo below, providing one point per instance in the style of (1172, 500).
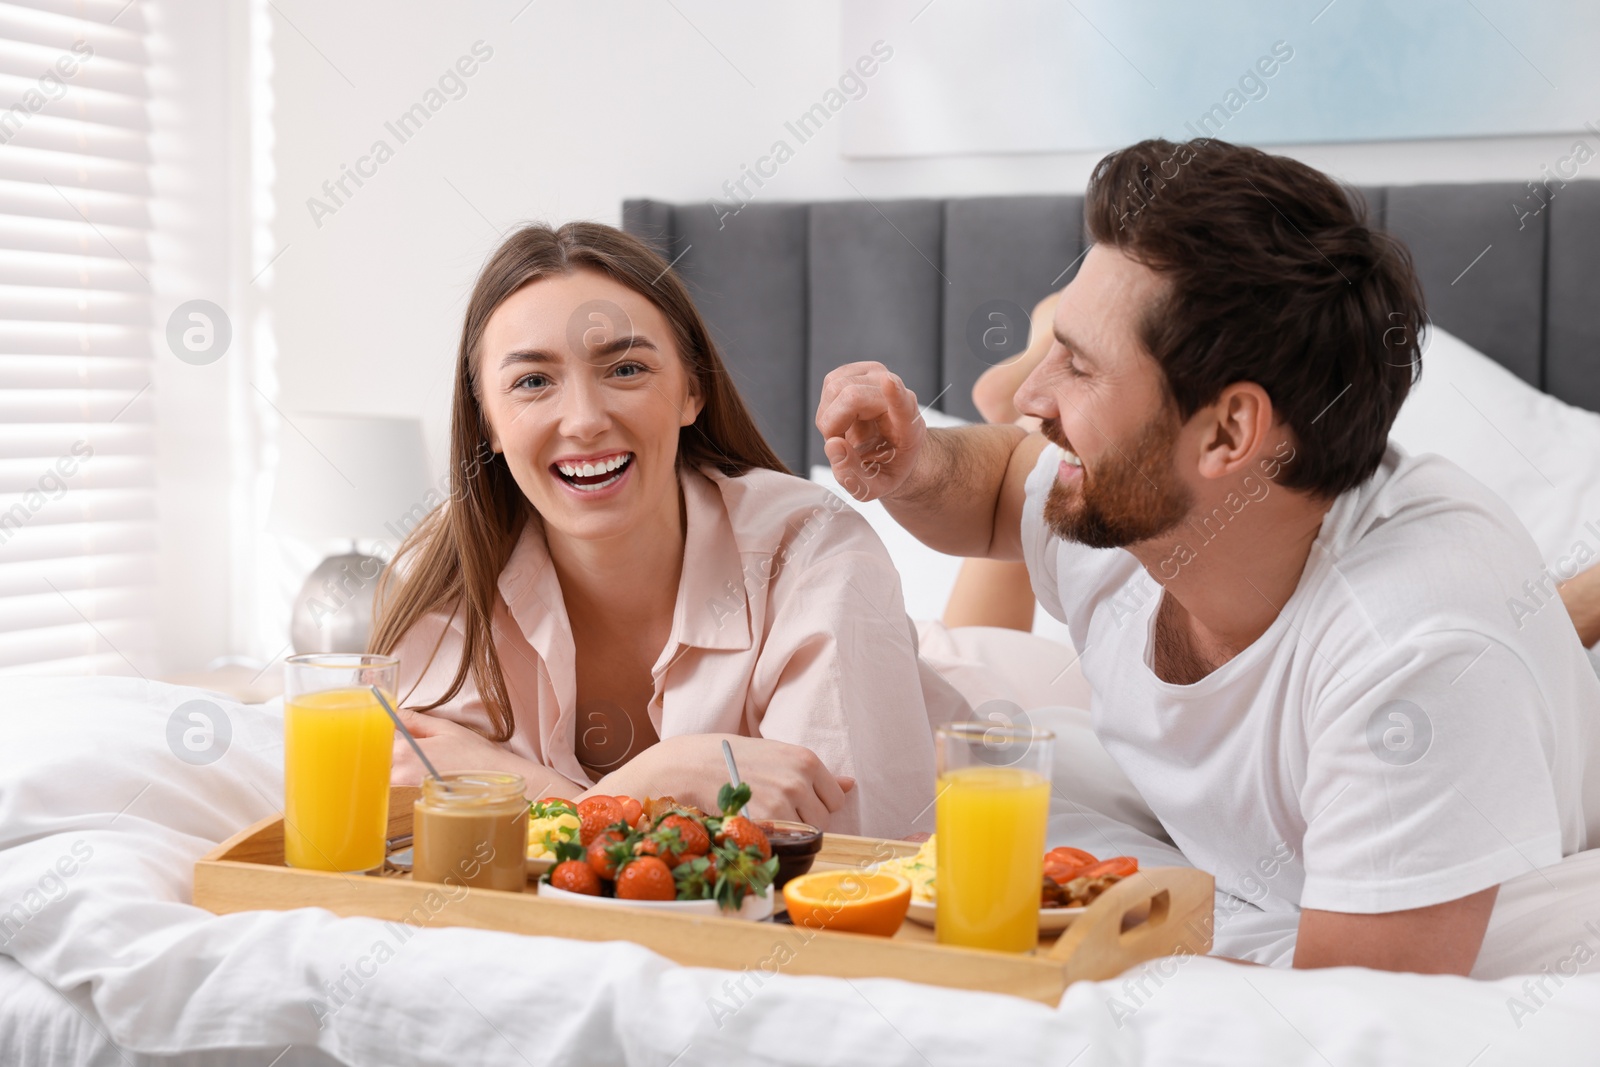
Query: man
(1295, 632)
(997, 593)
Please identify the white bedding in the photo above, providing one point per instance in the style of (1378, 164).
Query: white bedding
(1540, 454)
(87, 763)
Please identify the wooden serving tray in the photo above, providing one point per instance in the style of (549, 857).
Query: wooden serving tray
(1162, 911)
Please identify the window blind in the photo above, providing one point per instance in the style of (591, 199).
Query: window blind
(78, 535)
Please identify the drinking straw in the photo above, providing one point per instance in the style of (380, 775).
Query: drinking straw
(418, 748)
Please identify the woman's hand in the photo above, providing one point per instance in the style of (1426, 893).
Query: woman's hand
(451, 746)
(454, 748)
(786, 781)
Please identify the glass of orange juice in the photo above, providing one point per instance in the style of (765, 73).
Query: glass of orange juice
(337, 746)
(992, 803)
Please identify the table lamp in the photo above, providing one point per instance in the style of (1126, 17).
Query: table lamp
(345, 477)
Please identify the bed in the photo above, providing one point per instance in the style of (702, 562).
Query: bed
(111, 963)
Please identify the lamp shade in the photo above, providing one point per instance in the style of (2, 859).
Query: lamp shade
(346, 476)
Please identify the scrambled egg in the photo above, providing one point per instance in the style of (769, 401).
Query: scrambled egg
(917, 869)
(544, 834)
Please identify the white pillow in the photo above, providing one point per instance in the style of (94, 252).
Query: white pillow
(1540, 454)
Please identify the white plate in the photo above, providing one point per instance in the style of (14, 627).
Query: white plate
(754, 908)
(1051, 920)
(1055, 920)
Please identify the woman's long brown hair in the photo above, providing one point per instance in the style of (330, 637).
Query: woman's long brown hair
(453, 558)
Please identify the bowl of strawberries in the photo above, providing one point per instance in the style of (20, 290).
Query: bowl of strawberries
(668, 856)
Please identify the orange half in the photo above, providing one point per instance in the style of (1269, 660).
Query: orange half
(861, 902)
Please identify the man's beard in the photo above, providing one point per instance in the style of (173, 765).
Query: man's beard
(1132, 495)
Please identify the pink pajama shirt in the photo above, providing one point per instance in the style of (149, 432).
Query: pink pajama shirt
(789, 625)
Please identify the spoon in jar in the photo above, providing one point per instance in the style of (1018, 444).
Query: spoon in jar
(426, 762)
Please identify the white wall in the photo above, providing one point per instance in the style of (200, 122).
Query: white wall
(580, 106)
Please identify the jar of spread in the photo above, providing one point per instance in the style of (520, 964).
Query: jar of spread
(471, 829)
(796, 845)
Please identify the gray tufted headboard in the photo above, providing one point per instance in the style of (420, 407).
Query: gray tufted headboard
(792, 290)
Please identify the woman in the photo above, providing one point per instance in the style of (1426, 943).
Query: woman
(625, 574)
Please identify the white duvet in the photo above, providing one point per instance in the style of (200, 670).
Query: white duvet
(101, 822)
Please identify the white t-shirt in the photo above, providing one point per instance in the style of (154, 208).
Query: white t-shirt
(1400, 736)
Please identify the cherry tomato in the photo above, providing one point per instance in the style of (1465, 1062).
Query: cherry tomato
(632, 810)
(1062, 865)
(1062, 871)
(595, 814)
(1077, 854)
(1121, 866)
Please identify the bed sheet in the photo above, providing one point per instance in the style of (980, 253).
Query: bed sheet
(45, 1028)
(92, 783)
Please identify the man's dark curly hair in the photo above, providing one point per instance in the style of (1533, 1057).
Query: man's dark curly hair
(1272, 276)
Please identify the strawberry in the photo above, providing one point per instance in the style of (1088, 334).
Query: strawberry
(601, 856)
(744, 834)
(575, 876)
(693, 839)
(665, 844)
(645, 878)
(696, 877)
(739, 870)
(596, 814)
(732, 798)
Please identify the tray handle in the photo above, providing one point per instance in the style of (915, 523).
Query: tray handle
(1157, 912)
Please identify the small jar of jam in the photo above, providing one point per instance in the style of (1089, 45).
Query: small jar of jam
(796, 845)
(471, 829)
